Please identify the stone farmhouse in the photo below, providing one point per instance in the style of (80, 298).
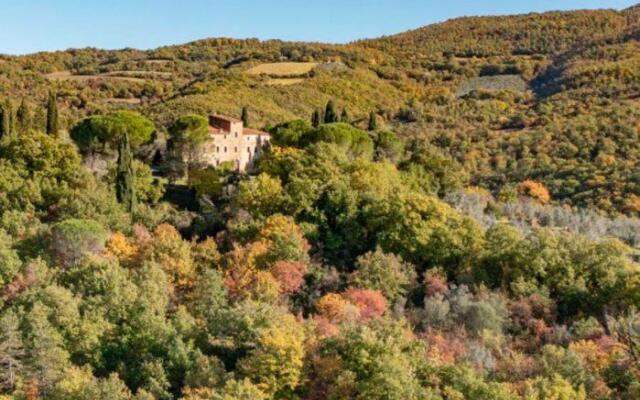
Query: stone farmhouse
(232, 142)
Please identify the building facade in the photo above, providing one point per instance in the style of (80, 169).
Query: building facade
(232, 142)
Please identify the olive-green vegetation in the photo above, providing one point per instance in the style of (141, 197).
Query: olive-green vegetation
(396, 240)
(550, 97)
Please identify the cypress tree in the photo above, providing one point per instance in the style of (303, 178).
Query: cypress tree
(125, 177)
(23, 116)
(315, 118)
(344, 117)
(330, 115)
(52, 114)
(7, 119)
(373, 122)
(245, 116)
(5, 123)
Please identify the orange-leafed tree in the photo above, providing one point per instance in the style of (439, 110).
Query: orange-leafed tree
(173, 255)
(290, 275)
(370, 303)
(535, 190)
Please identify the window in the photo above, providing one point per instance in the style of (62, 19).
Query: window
(236, 134)
(249, 150)
(225, 149)
(217, 149)
(235, 149)
(225, 136)
(256, 148)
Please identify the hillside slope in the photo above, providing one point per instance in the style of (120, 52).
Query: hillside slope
(551, 97)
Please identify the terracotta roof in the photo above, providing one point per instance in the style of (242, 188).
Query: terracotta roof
(249, 131)
(225, 118)
(213, 130)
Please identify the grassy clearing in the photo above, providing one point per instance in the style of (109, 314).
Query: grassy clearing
(493, 83)
(283, 69)
(132, 101)
(284, 81)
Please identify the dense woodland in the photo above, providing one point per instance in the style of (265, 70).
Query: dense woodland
(449, 213)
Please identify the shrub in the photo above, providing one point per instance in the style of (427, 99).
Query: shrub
(535, 190)
(387, 273)
(73, 238)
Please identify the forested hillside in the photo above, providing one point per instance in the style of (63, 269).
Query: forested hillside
(451, 213)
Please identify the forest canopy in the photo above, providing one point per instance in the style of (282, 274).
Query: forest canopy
(396, 239)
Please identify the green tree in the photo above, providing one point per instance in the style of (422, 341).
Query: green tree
(373, 122)
(11, 350)
(189, 134)
(436, 171)
(52, 114)
(46, 359)
(125, 176)
(23, 117)
(290, 133)
(9, 261)
(330, 114)
(388, 147)
(379, 361)
(316, 118)
(73, 238)
(355, 142)
(245, 116)
(262, 196)
(6, 115)
(104, 132)
(426, 231)
(555, 387)
(387, 273)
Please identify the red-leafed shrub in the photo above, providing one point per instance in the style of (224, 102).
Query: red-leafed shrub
(290, 275)
(371, 303)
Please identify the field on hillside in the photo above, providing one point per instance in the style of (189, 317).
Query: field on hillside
(283, 68)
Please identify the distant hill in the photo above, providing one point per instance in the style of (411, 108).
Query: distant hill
(553, 97)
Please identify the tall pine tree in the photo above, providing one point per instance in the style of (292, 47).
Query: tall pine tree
(5, 120)
(330, 115)
(344, 117)
(52, 114)
(373, 122)
(316, 118)
(23, 117)
(7, 124)
(245, 116)
(125, 177)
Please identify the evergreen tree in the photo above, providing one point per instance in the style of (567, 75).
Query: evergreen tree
(11, 351)
(344, 117)
(23, 116)
(315, 118)
(46, 359)
(330, 115)
(245, 116)
(373, 122)
(7, 119)
(52, 114)
(125, 177)
(38, 121)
